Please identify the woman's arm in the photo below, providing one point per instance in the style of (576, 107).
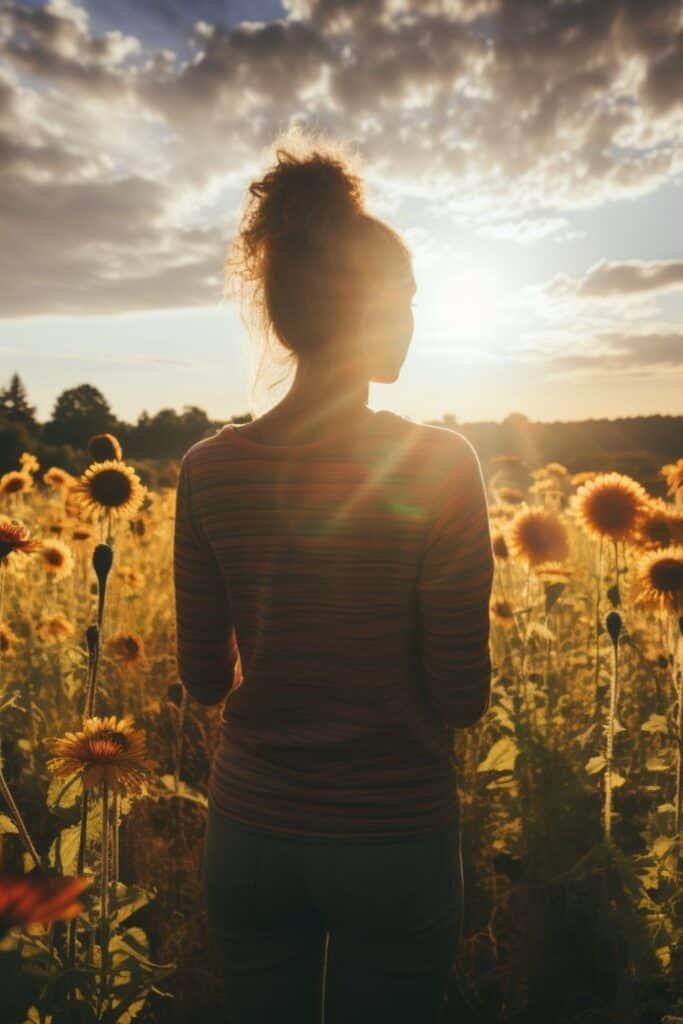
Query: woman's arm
(454, 590)
(206, 643)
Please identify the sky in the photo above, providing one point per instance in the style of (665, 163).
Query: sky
(530, 154)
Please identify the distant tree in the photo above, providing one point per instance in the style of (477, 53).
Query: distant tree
(516, 420)
(14, 404)
(79, 413)
(14, 439)
(168, 434)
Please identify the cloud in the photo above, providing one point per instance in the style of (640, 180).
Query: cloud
(102, 247)
(525, 231)
(622, 352)
(518, 110)
(631, 277)
(247, 68)
(55, 43)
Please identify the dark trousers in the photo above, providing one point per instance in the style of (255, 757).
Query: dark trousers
(308, 931)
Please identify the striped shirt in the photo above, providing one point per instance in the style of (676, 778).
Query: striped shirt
(335, 597)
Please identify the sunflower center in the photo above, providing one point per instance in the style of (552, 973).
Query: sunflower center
(666, 575)
(110, 487)
(613, 509)
(108, 744)
(657, 530)
(544, 539)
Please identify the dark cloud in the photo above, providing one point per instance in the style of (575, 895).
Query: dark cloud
(631, 277)
(102, 247)
(620, 352)
(516, 103)
(57, 45)
(663, 85)
(610, 278)
(270, 62)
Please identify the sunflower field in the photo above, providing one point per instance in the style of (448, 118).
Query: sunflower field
(571, 785)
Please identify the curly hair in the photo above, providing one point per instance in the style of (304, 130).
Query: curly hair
(307, 255)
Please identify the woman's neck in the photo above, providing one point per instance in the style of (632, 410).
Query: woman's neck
(321, 402)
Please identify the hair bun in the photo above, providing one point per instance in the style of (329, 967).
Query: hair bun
(304, 195)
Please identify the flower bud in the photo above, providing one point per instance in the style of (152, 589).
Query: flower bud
(102, 558)
(613, 624)
(104, 446)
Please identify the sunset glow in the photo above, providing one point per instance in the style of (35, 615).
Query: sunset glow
(530, 155)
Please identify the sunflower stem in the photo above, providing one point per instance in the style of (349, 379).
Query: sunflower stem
(115, 823)
(17, 818)
(3, 574)
(678, 690)
(598, 587)
(609, 749)
(179, 738)
(93, 647)
(80, 865)
(104, 897)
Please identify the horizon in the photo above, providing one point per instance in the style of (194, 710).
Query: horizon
(446, 415)
(533, 165)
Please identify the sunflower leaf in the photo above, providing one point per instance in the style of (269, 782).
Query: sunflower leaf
(501, 757)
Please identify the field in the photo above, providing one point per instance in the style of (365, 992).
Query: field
(570, 786)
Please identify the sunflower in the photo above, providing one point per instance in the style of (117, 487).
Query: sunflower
(130, 577)
(543, 484)
(82, 532)
(502, 613)
(673, 474)
(555, 469)
(127, 648)
(38, 898)
(612, 505)
(661, 527)
(109, 486)
(55, 627)
(15, 481)
(659, 579)
(105, 750)
(57, 558)
(7, 639)
(553, 572)
(499, 545)
(582, 478)
(29, 463)
(505, 460)
(103, 447)
(511, 495)
(15, 537)
(57, 477)
(500, 512)
(538, 536)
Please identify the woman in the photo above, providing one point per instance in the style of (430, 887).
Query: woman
(333, 571)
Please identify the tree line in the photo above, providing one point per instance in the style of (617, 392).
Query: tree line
(637, 445)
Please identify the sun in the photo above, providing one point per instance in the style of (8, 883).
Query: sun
(460, 307)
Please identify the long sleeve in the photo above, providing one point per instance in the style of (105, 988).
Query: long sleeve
(454, 590)
(206, 644)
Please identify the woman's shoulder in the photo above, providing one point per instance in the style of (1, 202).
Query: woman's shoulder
(205, 445)
(430, 438)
